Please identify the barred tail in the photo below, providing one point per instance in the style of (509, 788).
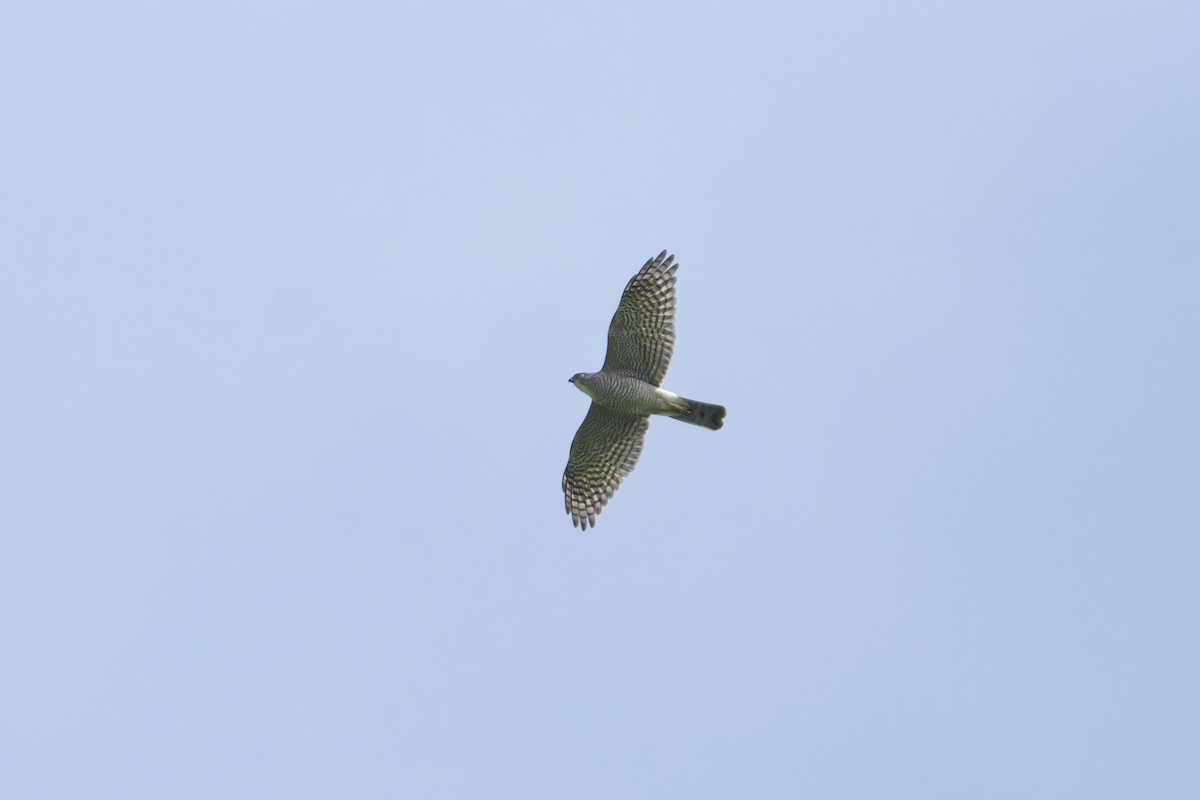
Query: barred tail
(707, 415)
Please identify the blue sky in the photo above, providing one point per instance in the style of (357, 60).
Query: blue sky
(291, 293)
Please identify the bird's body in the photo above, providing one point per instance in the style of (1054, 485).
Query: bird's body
(621, 393)
(626, 391)
(633, 396)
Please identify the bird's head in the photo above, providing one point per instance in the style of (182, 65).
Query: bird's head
(582, 381)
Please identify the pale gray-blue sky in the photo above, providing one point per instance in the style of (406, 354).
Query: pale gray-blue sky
(290, 296)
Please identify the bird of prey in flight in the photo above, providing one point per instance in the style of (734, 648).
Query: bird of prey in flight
(626, 391)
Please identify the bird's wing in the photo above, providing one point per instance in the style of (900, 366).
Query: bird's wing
(641, 336)
(605, 450)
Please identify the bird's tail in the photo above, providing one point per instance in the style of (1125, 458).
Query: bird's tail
(707, 415)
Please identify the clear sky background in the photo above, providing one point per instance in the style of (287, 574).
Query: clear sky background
(290, 295)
